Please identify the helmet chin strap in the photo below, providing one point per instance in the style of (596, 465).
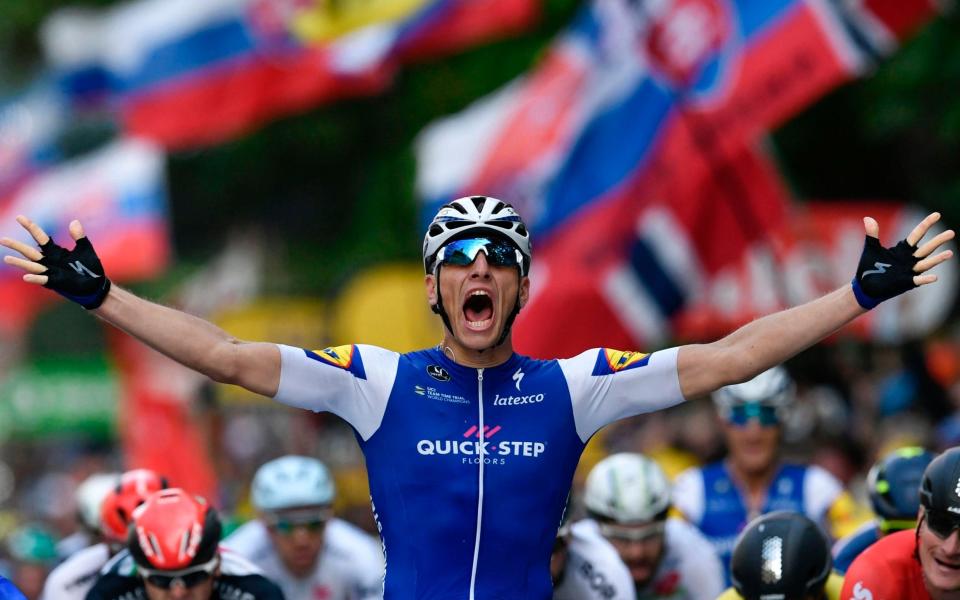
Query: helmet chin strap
(438, 309)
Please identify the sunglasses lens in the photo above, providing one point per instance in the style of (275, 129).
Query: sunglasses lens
(288, 527)
(463, 252)
(188, 580)
(743, 413)
(942, 523)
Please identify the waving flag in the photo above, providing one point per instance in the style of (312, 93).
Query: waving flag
(646, 118)
(29, 126)
(118, 193)
(187, 73)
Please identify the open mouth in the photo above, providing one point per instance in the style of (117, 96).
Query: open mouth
(478, 310)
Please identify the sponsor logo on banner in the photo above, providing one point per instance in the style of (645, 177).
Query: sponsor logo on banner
(620, 360)
(340, 356)
(475, 445)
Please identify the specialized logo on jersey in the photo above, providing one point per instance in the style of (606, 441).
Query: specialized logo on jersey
(861, 593)
(518, 377)
(342, 357)
(493, 452)
(613, 361)
(438, 373)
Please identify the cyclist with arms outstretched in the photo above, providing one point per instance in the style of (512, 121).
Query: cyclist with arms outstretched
(471, 448)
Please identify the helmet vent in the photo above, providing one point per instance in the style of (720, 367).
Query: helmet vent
(457, 207)
(521, 229)
(771, 555)
(478, 202)
(457, 224)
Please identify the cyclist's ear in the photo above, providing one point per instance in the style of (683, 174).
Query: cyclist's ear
(524, 291)
(430, 282)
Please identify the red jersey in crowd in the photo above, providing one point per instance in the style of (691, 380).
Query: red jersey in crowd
(887, 570)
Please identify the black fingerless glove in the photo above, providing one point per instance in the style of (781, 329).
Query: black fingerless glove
(76, 274)
(883, 272)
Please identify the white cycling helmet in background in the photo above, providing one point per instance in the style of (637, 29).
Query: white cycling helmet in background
(292, 482)
(773, 387)
(627, 488)
(89, 496)
(475, 215)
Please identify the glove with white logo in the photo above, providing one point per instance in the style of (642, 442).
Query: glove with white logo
(76, 274)
(884, 272)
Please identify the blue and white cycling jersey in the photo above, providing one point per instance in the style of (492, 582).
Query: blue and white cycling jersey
(845, 551)
(470, 468)
(709, 498)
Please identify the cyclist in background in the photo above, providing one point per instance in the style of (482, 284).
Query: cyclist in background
(73, 578)
(921, 563)
(628, 548)
(297, 543)
(721, 498)
(470, 448)
(783, 555)
(173, 553)
(88, 497)
(894, 484)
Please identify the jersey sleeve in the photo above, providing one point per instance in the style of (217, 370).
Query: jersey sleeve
(700, 569)
(607, 385)
(687, 495)
(353, 382)
(868, 580)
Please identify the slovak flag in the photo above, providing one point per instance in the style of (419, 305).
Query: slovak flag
(642, 119)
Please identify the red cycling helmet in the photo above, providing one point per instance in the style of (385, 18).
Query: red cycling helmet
(117, 508)
(173, 530)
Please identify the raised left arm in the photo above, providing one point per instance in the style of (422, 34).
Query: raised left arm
(882, 273)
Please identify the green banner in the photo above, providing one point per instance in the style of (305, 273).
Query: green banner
(59, 397)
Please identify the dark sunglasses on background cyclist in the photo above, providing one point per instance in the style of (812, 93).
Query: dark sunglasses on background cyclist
(741, 414)
(187, 578)
(286, 524)
(942, 523)
(461, 253)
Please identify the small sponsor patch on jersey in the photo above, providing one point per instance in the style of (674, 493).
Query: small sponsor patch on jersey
(613, 361)
(343, 357)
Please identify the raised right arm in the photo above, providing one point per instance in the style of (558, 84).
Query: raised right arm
(188, 339)
(194, 342)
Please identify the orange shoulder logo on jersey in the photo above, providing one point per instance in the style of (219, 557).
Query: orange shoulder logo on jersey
(613, 361)
(339, 356)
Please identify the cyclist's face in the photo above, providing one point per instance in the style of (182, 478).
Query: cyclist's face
(940, 559)
(478, 298)
(752, 446)
(641, 556)
(298, 545)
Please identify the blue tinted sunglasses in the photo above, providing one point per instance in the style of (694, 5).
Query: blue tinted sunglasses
(741, 414)
(461, 253)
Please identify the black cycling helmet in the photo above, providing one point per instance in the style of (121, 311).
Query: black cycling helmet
(940, 487)
(894, 485)
(782, 555)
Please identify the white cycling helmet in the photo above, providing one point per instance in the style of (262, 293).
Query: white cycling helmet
(627, 488)
(90, 494)
(475, 215)
(773, 387)
(291, 482)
